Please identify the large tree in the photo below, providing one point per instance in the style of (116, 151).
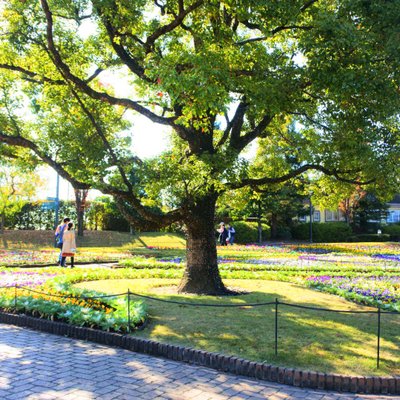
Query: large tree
(219, 75)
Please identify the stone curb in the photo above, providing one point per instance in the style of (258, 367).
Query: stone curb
(220, 362)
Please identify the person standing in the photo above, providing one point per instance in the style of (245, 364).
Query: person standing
(231, 234)
(59, 234)
(69, 245)
(223, 234)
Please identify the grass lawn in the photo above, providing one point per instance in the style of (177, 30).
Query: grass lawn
(112, 241)
(327, 342)
(37, 247)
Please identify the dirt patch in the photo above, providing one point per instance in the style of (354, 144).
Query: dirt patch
(173, 289)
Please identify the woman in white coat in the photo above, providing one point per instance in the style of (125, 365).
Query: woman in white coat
(69, 245)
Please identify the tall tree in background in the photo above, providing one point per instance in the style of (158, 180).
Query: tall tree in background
(219, 75)
(18, 186)
(351, 199)
(80, 201)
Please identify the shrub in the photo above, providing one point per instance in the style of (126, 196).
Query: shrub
(326, 232)
(247, 232)
(369, 237)
(284, 233)
(392, 230)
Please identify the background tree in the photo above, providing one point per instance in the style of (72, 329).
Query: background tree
(80, 201)
(358, 204)
(103, 214)
(275, 206)
(37, 215)
(220, 75)
(369, 213)
(278, 203)
(330, 194)
(18, 186)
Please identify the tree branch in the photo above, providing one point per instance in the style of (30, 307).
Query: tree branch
(82, 85)
(172, 25)
(19, 141)
(166, 219)
(129, 61)
(307, 5)
(94, 75)
(158, 220)
(313, 121)
(293, 174)
(32, 74)
(250, 25)
(242, 141)
(273, 32)
(237, 123)
(103, 137)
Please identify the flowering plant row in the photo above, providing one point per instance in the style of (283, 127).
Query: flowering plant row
(378, 291)
(61, 302)
(307, 268)
(14, 258)
(314, 248)
(24, 278)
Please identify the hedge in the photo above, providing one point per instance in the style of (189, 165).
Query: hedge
(392, 230)
(369, 237)
(325, 232)
(247, 232)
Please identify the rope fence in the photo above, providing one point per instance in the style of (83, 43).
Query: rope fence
(276, 304)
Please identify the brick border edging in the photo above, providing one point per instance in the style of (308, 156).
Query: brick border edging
(220, 362)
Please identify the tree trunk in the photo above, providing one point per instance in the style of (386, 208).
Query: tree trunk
(274, 226)
(259, 226)
(202, 275)
(80, 198)
(2, 223)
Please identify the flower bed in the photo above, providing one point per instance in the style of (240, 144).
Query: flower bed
(24, 278)
(37, 296)
(388, 257)
(13, 258)
(300, 264)
(378, 291)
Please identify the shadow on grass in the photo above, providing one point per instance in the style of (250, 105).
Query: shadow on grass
(317, 340)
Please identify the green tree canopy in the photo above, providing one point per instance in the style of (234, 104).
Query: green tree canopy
(18, 186)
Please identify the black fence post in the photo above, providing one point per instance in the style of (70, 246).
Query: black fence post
(129, 311)
(379, 338)
(276, 326)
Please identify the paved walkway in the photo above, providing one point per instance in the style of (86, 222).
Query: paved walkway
(36, 365)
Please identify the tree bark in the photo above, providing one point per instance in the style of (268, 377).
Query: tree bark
(80, 197)
(2, 223)
(201, 275)
(274, 226)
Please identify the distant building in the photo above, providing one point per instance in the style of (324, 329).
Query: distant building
(394, 210)
(323, 215)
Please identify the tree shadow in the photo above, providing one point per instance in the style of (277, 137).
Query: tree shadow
(4, 242)
(317, 340)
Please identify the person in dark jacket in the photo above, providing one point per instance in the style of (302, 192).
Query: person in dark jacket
(231, 234)
(223, 234)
